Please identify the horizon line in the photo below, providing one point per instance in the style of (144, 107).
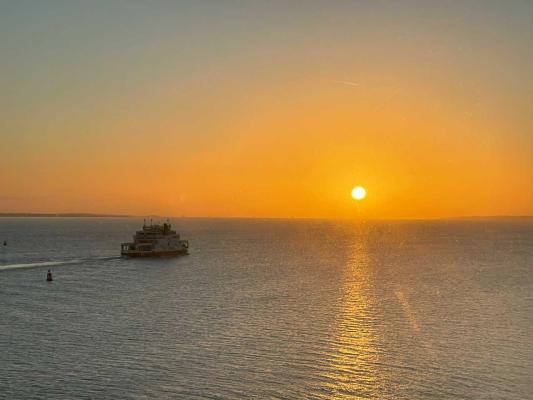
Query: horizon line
(105, 215)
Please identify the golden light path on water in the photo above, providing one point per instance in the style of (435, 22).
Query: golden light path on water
(354, 361)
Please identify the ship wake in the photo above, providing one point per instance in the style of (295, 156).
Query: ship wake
(53, 263)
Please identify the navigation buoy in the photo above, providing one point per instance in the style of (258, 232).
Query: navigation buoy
(49, 276)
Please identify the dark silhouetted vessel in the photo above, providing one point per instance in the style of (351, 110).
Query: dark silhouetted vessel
(155, 241)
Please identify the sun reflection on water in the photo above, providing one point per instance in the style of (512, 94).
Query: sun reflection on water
(354, 356)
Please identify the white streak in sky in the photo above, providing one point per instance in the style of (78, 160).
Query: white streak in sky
(347, 83)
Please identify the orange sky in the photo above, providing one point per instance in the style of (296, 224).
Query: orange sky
(267, 110)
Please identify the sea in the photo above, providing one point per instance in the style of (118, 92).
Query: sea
(268, 309)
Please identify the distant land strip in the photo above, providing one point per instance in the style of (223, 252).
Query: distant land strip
(66, 215)
(482, 217)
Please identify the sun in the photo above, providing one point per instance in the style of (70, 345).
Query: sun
(358, 193)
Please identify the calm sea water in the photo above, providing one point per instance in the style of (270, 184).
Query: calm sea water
(268, 309)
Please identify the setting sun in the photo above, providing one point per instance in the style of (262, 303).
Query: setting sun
(358, 193)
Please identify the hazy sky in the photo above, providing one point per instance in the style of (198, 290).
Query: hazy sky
(267, 108)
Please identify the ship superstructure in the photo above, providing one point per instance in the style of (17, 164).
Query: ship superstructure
(155, 241)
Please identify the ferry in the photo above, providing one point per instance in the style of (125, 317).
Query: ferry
(155, 241)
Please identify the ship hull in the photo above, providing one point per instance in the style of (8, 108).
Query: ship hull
(146, 254)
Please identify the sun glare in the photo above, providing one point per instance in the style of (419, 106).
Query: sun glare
(358, 193)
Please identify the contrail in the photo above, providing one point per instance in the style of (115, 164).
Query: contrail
(347, 83)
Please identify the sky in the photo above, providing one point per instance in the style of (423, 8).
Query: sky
(267, 108)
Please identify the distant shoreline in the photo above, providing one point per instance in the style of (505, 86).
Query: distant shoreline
(65, 215)
(481, 217)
